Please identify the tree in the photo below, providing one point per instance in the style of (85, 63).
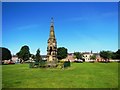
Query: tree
(118, 54)
(78, 55)
(61, 53)
(5, 53)
(113, 56)
(24, 53)
(93, 57)
(106, 54)
(38, 57)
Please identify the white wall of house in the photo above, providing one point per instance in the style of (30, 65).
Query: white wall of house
(70, 57)
(14, 59)
(87, 56)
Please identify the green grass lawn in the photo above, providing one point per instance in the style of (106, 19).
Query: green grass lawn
(79, 75)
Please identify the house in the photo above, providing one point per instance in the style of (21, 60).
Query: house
(87, 56)
(70, 57)
(98, 58)
(14, 58)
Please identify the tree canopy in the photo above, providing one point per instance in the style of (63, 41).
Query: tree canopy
(61, 53)
(78, 55)
(93, 57)
(110, 54)
(24, 53)
(5, 53)
(106, 54)
(38, 56)
(118, 54)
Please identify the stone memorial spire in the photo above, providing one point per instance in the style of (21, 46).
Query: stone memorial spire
(52, 44)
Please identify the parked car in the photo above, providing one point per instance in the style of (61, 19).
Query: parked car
(118, 61)
(91, 61)
(7, 62)
(11, 62)
(79, 61)
(105, 61)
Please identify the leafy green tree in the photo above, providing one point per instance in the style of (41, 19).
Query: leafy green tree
(118, 54)
(61, 53)
(5, 53)
(113, 56)
(78, 55)
(38, 56)
(24, 53)
(106, 54)
(93, 57)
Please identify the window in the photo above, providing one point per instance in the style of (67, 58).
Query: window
(50, 50)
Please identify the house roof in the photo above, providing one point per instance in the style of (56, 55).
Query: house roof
(86, 53)
(14, 56)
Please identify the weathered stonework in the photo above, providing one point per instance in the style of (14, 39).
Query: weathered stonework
(52, 44)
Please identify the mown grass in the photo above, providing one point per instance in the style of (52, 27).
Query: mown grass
(79, 75)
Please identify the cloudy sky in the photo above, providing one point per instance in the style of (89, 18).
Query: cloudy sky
(82, 26)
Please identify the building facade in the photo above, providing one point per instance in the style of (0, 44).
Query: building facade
(52, 44)
(70, 57)
(14, 58)
(87, 56)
